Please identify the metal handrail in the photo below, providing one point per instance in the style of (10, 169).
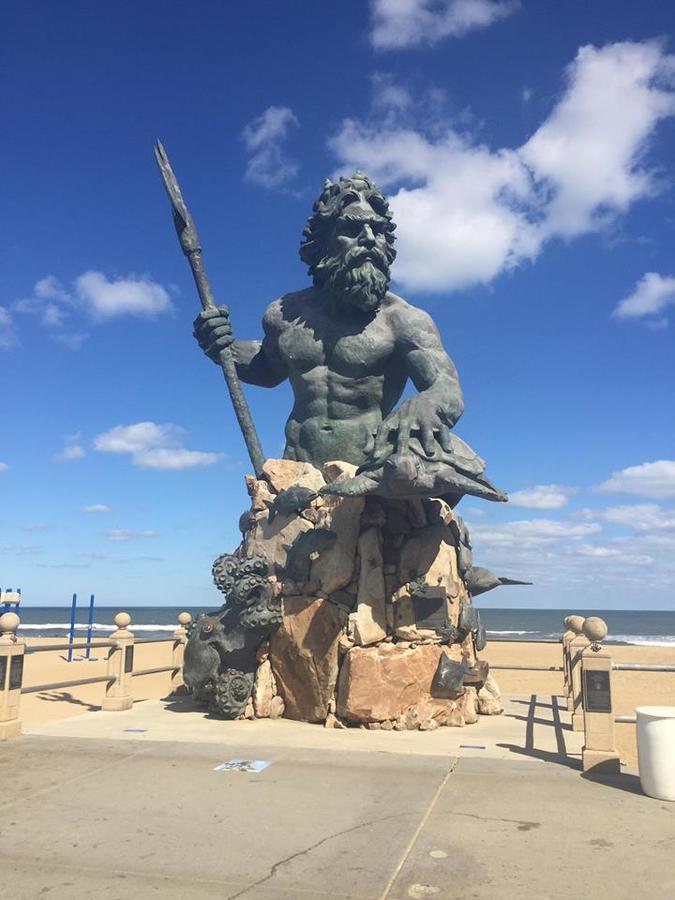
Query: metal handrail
(530, 668)
(154, 670)
(46, 648)
(518, 640)
(138, 641)
(625, 720)
(57, 685)
(643, 667)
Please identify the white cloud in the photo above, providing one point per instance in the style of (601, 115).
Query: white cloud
(641, 516)
(70, 453)
(8, 336)
(4, 467)
(475, 512)
(96, 508)
(597, 551)
(71, 340)
(22, 549)
(651, 295)
(106, 299)
(153, 446)
(136, 438)
(121, 535)
(466, 212)
(588, 150)
(93, 296)
(388, 94)
(652, 479)
(408, 23)
(174, 458)
(50, 288)
(543, 496)
(531, 532)
(263, 137)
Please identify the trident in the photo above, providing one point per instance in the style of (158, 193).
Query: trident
(189, 241)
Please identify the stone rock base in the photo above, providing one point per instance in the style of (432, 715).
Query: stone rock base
(373, 592)
(391, 683)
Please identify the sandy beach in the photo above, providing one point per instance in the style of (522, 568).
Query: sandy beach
(51, 667)
(631, 689)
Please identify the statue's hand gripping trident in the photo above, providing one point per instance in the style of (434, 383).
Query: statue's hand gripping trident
(189, 241)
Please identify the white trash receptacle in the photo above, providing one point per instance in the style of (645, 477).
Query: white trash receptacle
(656, 750)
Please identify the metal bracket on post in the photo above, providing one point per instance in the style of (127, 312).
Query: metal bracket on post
(599, 751)
(120, 666)
(179, 642)
(11, 675)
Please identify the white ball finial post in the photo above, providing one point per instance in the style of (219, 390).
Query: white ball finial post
(122, 620)
(11, 667)
(576, 624)
(9, 623)
(595, 629)
(179, 642)
(120, 666)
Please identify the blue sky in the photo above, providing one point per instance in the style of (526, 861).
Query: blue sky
(527, 152)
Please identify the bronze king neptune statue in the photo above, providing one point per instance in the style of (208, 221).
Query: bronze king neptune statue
(348, 345)
(354, 565)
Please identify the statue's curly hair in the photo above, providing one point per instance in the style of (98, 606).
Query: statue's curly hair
(336, 195)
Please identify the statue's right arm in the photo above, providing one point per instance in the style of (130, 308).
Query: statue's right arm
(257, 362)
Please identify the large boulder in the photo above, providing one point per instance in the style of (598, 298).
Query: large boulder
(263, 690)
(284, 473)
(304, 656)
(272, 539)
(334, 569)
(386, 681)
(370, 619)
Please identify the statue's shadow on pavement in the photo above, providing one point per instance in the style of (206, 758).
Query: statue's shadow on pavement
(183, 703)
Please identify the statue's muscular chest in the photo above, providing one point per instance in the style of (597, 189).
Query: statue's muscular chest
(346, 352)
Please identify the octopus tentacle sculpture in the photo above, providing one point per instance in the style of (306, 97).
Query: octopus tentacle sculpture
(220, 656)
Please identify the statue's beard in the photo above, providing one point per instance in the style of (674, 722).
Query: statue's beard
(360, 278)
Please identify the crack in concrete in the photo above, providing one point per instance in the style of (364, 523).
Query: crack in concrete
(523, 824)
(282, 862)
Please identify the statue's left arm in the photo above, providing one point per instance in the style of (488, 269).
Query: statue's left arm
(439, 403)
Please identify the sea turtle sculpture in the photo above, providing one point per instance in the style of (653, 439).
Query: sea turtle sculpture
(449, 474)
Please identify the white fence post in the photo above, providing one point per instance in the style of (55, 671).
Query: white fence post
(11, 675)
(599, 751)
(179, 642)
(120, 666)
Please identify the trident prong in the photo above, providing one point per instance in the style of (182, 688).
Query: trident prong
(185, 226)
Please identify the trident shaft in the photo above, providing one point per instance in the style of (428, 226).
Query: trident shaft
(189, 241)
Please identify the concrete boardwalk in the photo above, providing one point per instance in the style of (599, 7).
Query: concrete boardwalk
(123, 814)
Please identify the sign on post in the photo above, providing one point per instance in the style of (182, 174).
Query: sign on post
(597, 691)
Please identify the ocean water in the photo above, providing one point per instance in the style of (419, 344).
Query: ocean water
(625, 626)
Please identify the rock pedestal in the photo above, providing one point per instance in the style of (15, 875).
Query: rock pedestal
(373, 596)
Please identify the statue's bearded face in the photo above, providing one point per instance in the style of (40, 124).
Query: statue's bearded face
(355, 267)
